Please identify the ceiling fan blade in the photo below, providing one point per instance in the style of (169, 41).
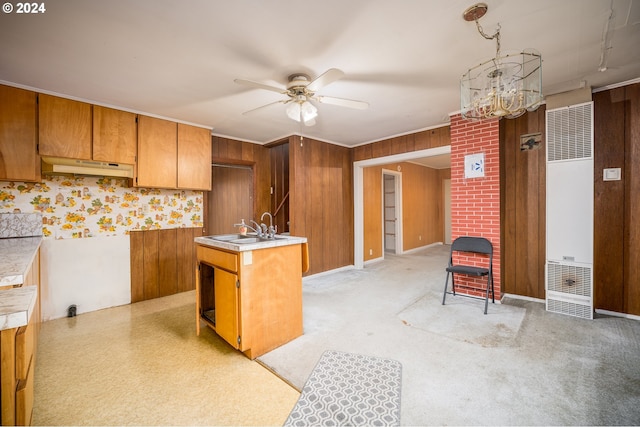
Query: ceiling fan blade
(260, 86)
(282, 101)
(329, 76)
(349, 103)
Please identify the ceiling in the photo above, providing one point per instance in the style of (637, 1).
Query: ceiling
(178, 59)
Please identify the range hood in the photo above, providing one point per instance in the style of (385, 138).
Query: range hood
(59, 165)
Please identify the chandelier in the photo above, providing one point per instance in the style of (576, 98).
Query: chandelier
(504, 86)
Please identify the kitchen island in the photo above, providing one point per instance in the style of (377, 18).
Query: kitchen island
(249, 289)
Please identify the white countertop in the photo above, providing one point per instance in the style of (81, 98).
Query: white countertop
(15, 257)
(242, 247)
(16, 304)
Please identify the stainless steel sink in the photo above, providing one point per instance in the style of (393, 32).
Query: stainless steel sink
(228, 237)
(239, 239)
(245, 240)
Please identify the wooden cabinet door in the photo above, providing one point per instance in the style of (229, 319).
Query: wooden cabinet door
(226, 305)
(8, 381)
(24, 400)
(114, 135)
(157, 153)
(18, 155)
(194, 157)
(64, 127)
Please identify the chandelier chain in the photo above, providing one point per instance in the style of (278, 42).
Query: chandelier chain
(488, 37)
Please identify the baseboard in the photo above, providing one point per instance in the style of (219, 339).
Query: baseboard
(335, 270)
(430, 245)
(373, 261)
(617, 314)
(523, 297)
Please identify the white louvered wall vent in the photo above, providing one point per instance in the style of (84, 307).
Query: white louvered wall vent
(569, 134)
(583, 311)
(569, 290)
(569, 279)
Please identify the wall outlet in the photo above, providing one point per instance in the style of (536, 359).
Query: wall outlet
(420, 237)
(370, 251)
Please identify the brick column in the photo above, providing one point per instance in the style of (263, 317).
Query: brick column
(475, 202)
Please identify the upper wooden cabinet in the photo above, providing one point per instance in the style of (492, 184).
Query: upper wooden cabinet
(194, 157)
(157, 153)
(18, 155)
(64, 127)
(114, 135)
(167, 154)
(173, 155)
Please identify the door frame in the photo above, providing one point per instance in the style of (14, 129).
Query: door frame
(358, 192)
(399, 249)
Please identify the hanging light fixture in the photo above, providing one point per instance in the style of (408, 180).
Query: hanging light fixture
(504, 86)
(301, 110)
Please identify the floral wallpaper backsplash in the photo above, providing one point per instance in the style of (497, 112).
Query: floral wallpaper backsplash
(80, 207)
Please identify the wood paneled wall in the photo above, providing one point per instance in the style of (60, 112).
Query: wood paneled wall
(617, 203)
(280, 183)
(321, 201)
(422, 207)
(230, 151)
(431, 138)
(162, 262)
(372, 213)
(522, 202)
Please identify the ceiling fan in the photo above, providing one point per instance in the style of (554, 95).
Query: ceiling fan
(301, 90)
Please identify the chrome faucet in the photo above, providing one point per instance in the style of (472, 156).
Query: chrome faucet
(256, 230)
(270, 231)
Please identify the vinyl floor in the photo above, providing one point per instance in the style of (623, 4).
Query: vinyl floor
(142, 364)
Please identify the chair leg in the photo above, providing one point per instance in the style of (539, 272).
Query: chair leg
(453, 284)
(486, 298)
(493, 295)
(446, 283)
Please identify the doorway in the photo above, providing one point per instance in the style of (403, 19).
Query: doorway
(358, 192)
(391, 208)
(230, 199)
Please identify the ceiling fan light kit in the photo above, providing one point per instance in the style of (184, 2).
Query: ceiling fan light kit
(302, 111)
(301, 90)
(504, 86)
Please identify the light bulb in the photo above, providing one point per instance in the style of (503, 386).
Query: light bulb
(293, 111)
(309, 112)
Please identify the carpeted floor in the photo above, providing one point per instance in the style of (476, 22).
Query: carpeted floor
(518, 365)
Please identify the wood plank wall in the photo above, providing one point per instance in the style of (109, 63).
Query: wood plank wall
(280, 182)
(431, 138)
(422, 206)
(617, 203)
(162, 262)
(230, 151)
(321, 201)
(523, 196)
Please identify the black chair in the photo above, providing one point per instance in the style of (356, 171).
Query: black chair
(478, 245)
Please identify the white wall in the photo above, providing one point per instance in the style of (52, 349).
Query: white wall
(91, 273)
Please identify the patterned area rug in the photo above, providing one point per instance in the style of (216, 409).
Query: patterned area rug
(346, 389)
